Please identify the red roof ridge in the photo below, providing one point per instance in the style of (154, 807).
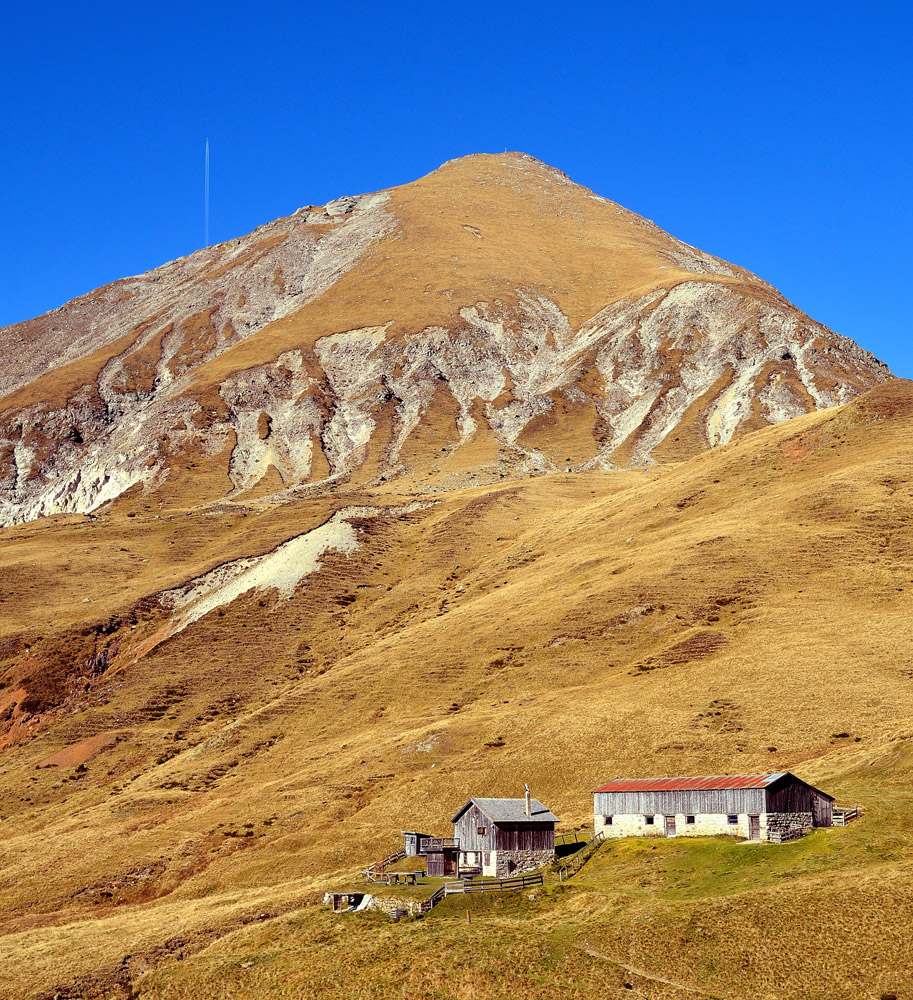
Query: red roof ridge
(695, 782)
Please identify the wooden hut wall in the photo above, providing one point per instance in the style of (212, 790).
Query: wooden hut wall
(790, 795)
(822, 810)
(441, 864)
(525, 837)
(411, 842)
(467, 827)
(688, 802)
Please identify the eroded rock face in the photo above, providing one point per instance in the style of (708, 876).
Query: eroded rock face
(102, 394)
(189, 309)
(158, 328)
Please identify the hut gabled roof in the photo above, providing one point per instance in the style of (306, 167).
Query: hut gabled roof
(722, 781)
(684, 784)
(510, 811)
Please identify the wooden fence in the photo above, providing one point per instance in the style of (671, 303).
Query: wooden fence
(512, 884)
(576, 837)
(427, 905)
(579, 859)
(390, 859)
(844, 814)
(377, 872)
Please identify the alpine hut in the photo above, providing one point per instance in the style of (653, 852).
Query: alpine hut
(772, 807)
(502, 837)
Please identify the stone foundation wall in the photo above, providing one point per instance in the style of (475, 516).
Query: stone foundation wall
(507, 863)
(395, 907)
(383, 904)
(704, 825)
(787, 826)
(632, 825)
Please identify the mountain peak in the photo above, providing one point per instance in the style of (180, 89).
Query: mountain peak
(490, 319)
(492, 162)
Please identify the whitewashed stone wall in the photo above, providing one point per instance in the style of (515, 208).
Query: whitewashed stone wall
(704, 825)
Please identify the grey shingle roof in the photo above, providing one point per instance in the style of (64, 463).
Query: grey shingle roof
(510, 811)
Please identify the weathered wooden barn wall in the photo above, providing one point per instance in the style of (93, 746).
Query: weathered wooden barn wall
(773, 795)
(688, 802)
(518, 837)
(822, 811)
(466, 829)
(790, 795)
(502, 836)
(412, 842)
(442, 864)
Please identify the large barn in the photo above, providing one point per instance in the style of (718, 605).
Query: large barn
(773, 807)
(504, 836)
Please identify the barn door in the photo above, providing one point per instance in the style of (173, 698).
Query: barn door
(670, 826)
(822, 811)
(754, 827)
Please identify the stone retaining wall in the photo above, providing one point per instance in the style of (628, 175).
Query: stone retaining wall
(787, 826)
(392, 905)
(395, 907)
(517, 862)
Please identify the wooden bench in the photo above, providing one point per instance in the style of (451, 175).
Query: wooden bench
(402, 878)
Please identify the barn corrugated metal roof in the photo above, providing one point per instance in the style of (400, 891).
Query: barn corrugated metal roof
(510, 811)
(687, 784)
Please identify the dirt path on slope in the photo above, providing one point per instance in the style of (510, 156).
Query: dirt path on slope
(643, 974)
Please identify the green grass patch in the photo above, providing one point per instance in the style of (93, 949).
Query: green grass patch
(697, 867)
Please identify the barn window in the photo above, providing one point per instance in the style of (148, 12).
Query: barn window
(607, 820)
(648, 820)
(481, 830)
(732, 819)
(689, 819)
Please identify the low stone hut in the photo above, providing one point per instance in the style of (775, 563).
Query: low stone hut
(772, 807)
(503, 837)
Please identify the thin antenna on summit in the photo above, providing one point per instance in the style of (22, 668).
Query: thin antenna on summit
(206, 194)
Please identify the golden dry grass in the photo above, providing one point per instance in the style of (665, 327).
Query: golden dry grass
(746, 610)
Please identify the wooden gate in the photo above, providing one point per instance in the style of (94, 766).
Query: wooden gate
(754, 827)
(670, 826)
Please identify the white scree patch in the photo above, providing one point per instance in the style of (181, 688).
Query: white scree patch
(282, 570)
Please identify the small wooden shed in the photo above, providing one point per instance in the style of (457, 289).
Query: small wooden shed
(504, 836)
(412, 841)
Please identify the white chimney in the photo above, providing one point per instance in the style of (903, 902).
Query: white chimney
(528, 812)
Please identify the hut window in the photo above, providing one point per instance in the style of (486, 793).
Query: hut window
(689, 819)
(648, 820)
(481, 830)
(607, 820)
(732, 820)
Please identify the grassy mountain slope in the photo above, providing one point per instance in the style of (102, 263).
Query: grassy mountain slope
(177, 793)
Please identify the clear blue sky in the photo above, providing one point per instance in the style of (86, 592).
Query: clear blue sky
(775, 135)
